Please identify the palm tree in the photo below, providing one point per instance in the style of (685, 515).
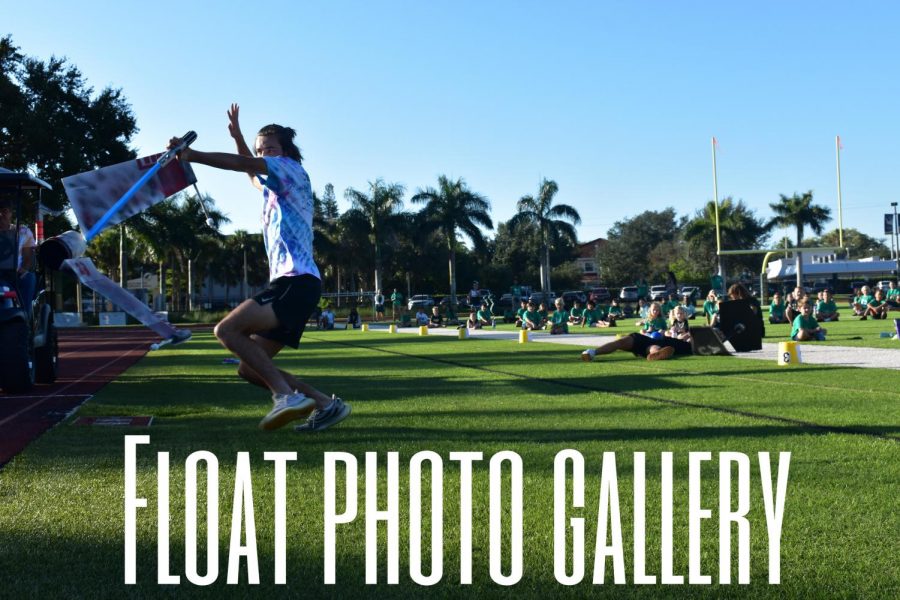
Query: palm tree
(555, 223)
(799, 211)
(379, 208)
(450, 208)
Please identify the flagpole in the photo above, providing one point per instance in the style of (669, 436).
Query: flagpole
(837, 152)
(716, 203)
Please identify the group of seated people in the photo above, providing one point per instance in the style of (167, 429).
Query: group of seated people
(877, 305)
(536, 317)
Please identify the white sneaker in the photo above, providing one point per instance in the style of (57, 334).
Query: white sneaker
(288, 407)
(588, 355)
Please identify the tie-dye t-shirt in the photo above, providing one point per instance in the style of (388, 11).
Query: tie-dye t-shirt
(287, 218)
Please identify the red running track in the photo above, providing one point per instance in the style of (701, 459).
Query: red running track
(88, 360)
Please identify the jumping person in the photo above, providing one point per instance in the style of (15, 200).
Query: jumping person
(260, 327)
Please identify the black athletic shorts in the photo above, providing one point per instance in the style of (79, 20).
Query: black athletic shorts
(643, 342)
(293, 299)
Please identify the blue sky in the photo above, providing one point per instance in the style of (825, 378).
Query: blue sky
(616, 101)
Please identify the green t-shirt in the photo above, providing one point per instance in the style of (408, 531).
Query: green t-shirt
(710, 308)
(776, 309)
(397, 298)
(543, 314)
(484, 315)
(533, 316)
(875, 303)
(593, 316)
(668, 306)
(801, 322)
(657, 324)
(559, 317)
(826, 308)
(893, 294)
(577, 312)
(864, 300)
(615, 311)
(521, 312)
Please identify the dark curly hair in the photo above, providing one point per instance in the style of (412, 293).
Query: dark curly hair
(285, 137)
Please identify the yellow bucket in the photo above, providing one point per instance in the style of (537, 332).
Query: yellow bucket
(523, 336)
(392, 328)
(789, 354)
(365, 326)
(423, 330)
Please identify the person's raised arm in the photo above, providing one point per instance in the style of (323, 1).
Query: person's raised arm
(234, 129)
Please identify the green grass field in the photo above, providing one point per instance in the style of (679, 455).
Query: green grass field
(61, 501)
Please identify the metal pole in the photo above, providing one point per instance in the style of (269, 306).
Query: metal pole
(896, 237)
(716, 203)
(837, 150)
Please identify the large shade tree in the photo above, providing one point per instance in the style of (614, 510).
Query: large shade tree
(54, 124)
(379, 209)
(556, 223)
(738, 227)
(799, 212)
(450, 208)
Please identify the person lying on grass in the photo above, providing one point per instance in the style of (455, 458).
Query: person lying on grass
(826, 309)
(877, 308)
(806, 328)
(642, 346)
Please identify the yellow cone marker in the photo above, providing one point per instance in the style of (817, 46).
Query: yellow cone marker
(789, 354)
(463, 333)
(365, 326)
(523, 336)
(392, 328)
(423, 330)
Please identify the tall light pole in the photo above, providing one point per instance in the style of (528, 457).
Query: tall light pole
(896, 240)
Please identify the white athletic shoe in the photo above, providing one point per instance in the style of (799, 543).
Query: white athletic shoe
(588, 355)
(288, 407)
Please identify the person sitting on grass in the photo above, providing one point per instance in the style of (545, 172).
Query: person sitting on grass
(531, 318)
(545, 314)
(421, 317)
(670, 304)
(521, 312)
(353, 318)
(892, 297)
(861, 302)
(680, 329)
(641, 345)
(326, 320)
(642, 307)
(826, 309)
(472, 322)
(435, 320)
(806, 328)
(484, 316)
(688, 306)
(615, 313)
(576, 315)
(711, 307)
(559, 320)
(877, 308)
(792, 303)
(595, 316)
(776, 310)
(655, 324)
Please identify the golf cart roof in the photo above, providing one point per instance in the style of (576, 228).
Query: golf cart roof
(12, 180)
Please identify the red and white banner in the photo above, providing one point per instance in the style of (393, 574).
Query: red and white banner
(92, 193)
